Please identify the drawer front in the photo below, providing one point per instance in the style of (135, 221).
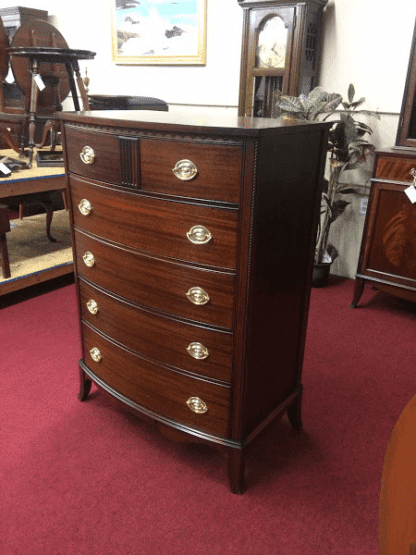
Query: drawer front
(106, 164)
(156, 388)
(396, 169)
(197, 349)
(218, 169)
(157, 226)
(158, 283)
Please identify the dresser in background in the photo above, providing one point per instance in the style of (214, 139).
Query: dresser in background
(388, 249)
(193, 246)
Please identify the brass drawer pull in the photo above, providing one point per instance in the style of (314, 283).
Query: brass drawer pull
(199, 235)
(88, 259)
(197, 296)
(197, 405)
(87, 155)
(85, 207)
(197, 350)
(185, 170)
(92, 306)
(95, 354)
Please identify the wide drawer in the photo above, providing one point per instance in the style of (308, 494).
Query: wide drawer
(395, 169)
(197, 349)
(157, 226)
(158, 283)
(148, 164)
(158, 389)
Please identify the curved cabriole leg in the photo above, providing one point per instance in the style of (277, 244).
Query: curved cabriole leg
(49, 216)
(358, 291)
(84, 385)
(236, 467)
(294, 413)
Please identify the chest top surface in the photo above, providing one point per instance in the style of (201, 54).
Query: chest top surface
(204, 123)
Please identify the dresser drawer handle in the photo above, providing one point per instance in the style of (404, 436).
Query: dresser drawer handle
(413, 174)
(95, 354)
(87, 155)
(197, 405)
(199, 235)
(88, 259)
(85, 207)
(197, 296)
(92, 306)
(185, 170)
(197, 350)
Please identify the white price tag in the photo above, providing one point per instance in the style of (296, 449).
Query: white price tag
(4, 168)
(39, 82)
(411, 193)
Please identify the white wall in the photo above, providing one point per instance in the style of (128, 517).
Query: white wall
(366, 42)
(86, 24)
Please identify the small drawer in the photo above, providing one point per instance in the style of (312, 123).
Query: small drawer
(197, 349)
(93, 154)
(157, 283)
(167, 393)
(395, 169)
(155, 226)
(192, 170)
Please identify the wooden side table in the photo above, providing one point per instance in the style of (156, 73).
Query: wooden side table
(38, 55)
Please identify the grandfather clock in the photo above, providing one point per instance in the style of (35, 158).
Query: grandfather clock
(280, 51)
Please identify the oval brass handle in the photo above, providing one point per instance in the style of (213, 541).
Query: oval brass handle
(197, 350)
(85, 207)
(87, 155)
(413, 173)
(95, 354)
(92, 306)
(199, 235)
(197, 296)
(88, 259)
(197, 405)
(185, 170)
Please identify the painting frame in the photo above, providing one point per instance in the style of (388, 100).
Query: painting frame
(174, 32)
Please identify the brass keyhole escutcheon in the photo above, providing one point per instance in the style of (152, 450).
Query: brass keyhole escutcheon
(87, 155)
(185, 170)
(95, 354)
(197, 296)
(413, 174)
(92, 306)
(88, 259)
(197, 405)
(85, 207)
(199, 235)
(197, 351)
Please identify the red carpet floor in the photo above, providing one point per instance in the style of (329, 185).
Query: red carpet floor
(88, 478)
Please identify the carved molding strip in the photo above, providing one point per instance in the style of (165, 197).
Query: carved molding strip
(146, 134)
(130, 161)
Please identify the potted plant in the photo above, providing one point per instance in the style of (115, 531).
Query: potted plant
(348, 148)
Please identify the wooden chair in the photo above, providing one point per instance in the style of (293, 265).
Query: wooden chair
(397, 523)
(4, 228)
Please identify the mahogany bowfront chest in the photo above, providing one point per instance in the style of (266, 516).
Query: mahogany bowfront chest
(193, 248)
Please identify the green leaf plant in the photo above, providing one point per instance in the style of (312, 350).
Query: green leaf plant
(348, 147)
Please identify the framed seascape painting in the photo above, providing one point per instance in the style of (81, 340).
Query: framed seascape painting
(159, 32)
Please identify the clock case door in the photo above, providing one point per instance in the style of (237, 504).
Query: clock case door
(302, 21)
